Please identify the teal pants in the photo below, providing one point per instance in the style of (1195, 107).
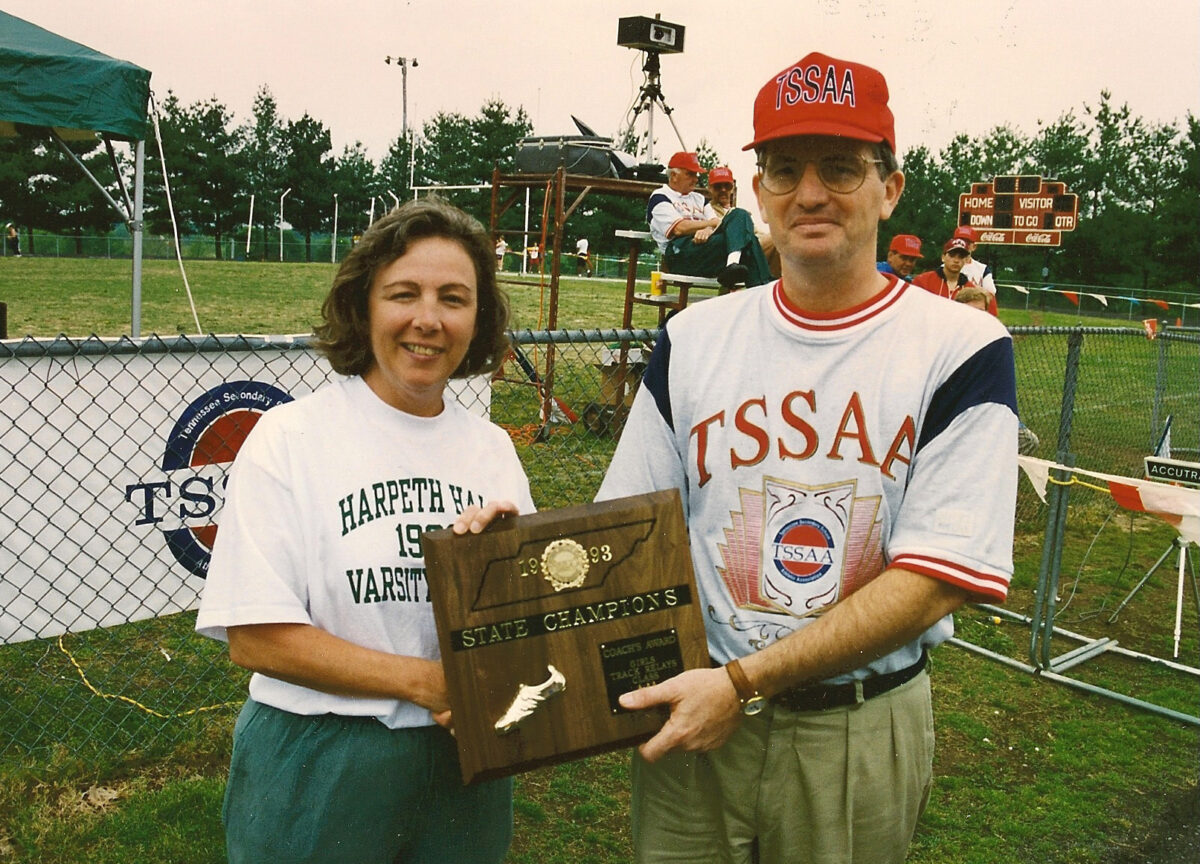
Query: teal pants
(330, 789)
(735, 234)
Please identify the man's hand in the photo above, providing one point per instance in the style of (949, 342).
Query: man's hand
(702, 235)
(705, 711)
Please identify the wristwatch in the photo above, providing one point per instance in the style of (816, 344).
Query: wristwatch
(752, 701)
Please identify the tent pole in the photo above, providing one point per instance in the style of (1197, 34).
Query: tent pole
(62, 145)
(135, 228)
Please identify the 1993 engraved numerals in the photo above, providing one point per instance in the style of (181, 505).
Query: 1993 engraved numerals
(533, 566)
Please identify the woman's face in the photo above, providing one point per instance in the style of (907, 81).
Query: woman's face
(421, 310)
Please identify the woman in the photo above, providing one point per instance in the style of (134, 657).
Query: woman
(316, 580)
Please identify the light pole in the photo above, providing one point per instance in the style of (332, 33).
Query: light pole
(281, 197)
(403, 63)
(333, 244)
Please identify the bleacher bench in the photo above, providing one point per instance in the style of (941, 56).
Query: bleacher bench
(676, 286)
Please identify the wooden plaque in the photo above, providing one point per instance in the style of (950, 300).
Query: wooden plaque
(579, 605)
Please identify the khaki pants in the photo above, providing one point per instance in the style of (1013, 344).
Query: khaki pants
(818, 787)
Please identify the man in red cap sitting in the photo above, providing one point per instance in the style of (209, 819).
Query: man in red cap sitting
(845, 447)
(720, 190)
(693, 239)
(902, 257)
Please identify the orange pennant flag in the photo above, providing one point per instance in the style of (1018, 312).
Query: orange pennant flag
(1072, 296)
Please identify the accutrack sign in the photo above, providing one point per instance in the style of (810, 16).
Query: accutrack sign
(1173, 470)
(1019, 210)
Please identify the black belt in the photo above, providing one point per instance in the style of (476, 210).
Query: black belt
(821, 697)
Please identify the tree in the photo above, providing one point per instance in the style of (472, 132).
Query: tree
(394, 169)
(69, 203)
(307, 172)
(1179, 213)
(922, 207)
(216, 183)
(354, 181)
(201, 152)
(456, 150)
(261, 159)
(20, 162)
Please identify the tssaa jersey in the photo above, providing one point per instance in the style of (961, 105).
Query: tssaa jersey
(812, 452)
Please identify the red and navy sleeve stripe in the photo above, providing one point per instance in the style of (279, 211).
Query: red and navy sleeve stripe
(987, 376)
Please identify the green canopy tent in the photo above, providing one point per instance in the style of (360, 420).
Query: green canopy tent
(51, 86)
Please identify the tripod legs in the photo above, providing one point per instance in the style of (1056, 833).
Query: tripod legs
(1139, 585)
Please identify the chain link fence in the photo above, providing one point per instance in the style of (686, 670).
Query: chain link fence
(114, 453)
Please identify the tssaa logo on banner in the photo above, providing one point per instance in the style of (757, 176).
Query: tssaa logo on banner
(184, 501)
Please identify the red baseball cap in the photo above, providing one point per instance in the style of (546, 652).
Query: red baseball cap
(966, 232)
(956, 243)
(687, 161)
(720, 175)
(906, 244)
(820, 95)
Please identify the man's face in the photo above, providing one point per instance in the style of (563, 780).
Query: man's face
(682, 180)
(952, 263)
(812, 225)
(722, 193)
(902, 264)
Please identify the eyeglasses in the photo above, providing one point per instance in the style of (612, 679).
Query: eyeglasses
(841, 173)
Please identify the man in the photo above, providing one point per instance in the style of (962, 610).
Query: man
(947, 278)
(720, 189)
(845, 449)
(693, 239)
(903, 254)
(583, 266)
(978, 272)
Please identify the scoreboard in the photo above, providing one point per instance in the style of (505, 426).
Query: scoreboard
(1019, 210)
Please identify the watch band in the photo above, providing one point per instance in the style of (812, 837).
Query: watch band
(745, 690)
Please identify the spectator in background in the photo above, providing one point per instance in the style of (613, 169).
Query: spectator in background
(583, 266)
(948, 277)
(975, 270)
(720, 188)
(693, 239)
(903, 254)
(501, 251)
(12, 240)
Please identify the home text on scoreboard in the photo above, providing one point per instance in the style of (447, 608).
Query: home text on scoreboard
(1019, 210)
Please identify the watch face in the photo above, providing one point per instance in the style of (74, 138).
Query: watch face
(754, 705)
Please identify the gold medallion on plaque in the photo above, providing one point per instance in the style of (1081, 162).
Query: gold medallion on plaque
(565, 564)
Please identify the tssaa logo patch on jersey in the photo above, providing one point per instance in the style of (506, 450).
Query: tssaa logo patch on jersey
(185, 500)
(803, 550)
(804, 543)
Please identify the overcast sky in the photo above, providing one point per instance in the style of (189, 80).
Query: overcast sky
(952, 65)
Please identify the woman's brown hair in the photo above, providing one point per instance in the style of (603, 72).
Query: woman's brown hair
(344, 337)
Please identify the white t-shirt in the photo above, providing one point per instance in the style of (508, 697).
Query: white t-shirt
(666, 208)
(834, 447)
(980, 274)
(325, 504)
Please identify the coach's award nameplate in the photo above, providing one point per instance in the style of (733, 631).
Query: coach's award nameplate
(545, 620)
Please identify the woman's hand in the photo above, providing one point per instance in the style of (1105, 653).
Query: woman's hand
(475, 518)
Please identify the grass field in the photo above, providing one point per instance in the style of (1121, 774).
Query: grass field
(1025, 769)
